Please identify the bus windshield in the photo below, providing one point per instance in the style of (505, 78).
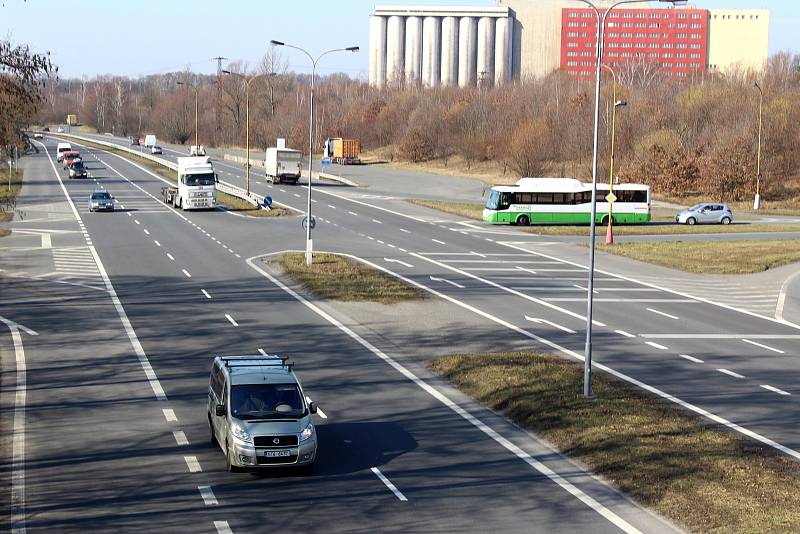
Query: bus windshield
(199, 179)
(494, 200)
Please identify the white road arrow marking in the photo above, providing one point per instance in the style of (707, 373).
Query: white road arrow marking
(551, 323)
(392, 260)
(454, 284)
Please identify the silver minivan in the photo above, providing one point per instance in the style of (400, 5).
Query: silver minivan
(258, 413)
(705, 214)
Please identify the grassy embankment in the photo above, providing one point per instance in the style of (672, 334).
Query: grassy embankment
(694, 472)
(8, 195)
(663, 223)
(229, 202)
(340, 278)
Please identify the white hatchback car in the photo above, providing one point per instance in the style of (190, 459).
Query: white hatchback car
(705, 214)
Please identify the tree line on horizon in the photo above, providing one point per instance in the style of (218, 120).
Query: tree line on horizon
(692, 136)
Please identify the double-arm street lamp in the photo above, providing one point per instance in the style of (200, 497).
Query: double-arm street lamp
(247, 81)
(757, 200)
(617, 104)
(196, 98)
(309, 245)
(601, 23)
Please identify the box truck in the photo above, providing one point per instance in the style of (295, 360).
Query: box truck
(150, 140)
(283, 165)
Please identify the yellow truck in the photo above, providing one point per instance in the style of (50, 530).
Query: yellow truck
(342, 151)
(72, 120)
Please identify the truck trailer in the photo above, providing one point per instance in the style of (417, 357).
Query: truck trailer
(283, 165)
(196, 187)
(342, 151)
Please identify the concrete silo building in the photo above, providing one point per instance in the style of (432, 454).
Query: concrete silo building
(432, 46)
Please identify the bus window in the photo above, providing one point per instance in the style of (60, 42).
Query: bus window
(560, 198)
(544, 198)
(525, 198)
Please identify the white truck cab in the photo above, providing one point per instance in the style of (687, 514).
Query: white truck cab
(196, 184)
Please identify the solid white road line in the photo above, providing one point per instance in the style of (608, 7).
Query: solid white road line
(773, 349)
(775, 390)
(186, 273)
(169, 415)
(624, 333)
(554, 325)
(691, 358)
(208, 495)
(18, 440)
(222, 527)
(193, 464)
(656, 345)
(730, 373)
(661, 313)
(205, 293)
(388, 484)
(437, 241)
(170, 256)
(720, 336)
(180, 437)
(392, 260)
(461, 412)
(229, 318)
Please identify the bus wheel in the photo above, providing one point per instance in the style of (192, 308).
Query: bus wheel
(523, 220)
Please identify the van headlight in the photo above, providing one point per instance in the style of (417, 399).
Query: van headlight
(307, 432)
(241, 434)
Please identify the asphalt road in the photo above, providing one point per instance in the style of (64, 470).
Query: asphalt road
(454, 476)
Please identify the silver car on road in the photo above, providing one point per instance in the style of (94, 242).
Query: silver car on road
(705, 214)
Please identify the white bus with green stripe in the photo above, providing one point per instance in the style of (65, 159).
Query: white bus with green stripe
(565, 201)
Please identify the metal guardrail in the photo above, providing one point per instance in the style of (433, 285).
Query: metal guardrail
(225, 187)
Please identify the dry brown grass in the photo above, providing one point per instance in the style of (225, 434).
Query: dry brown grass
(789, 206)
(693, 472)
(339, 278)
(239, 205)
(713, 257)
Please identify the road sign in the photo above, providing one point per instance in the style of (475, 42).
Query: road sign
(305, 222)
(267, 202)
(325, 162)
(611, 198)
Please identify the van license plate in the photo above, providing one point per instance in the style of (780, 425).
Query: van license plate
(277, 454)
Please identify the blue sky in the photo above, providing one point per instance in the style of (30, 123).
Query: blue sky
(145, 36)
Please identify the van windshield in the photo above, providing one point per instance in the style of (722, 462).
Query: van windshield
(494, 199)
(199, 179)
(266, 401)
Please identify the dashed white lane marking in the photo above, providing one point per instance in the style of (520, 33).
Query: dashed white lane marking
(773, 349)
(238, 255)
(388, 484)
(186, 273)
(624, 333)
(331, 206)
(404, 230)
(691, 358)
(371, 238)
(169, 415)
(156, 242)
(661, 313)
(146, 231)
(170, 256)
(205, 293)
(295, 194)
(401, 249)
(130, 214)
(656, 345)
(136, 221)
(222, 527)
(229, 318)
(208, 496)
(193, 464)
(180, 437)
(376, 221)
(353, 213)
(283, 190)
(730, 373)
(437, 241)
(775, 390)
(551, 323)
(381, 242)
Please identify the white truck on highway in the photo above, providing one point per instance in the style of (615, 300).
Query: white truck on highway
(150, 140)
(283, 165)
(196, 185)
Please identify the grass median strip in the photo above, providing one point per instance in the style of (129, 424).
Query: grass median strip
(713, 257)
(697, 474)
(340, 278)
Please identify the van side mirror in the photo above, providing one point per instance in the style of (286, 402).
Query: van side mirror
(219, 410)
(312, 407)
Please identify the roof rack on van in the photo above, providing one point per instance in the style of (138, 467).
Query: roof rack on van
(257, 360)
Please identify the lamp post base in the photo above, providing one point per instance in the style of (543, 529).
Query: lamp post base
(757, 202)
(308, 251)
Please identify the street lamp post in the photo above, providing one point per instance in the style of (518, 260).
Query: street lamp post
(601, 22)
(247, 82)
(617, 103)
(757, 200)
(196, 121)
(309, 245)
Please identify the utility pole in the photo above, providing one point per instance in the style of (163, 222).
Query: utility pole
(218, 107)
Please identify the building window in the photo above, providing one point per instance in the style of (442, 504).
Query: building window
(640, 36)
(572, 24)
(695, 46)
(667, 45)
(586, 54)
(681, 45)
(572, 14)
(681, 36)
(572, 45)
(667, 55)
(653, 45)
(682, 25)
(572, 63)
(680, 55)
(682, 15)
(697, 26)
(653, 36)
(696, 15)
(613, 35)
(695, 56)
(572, 54)
(572, 34)
(696, 36)
(626, 45)
(654, 25)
